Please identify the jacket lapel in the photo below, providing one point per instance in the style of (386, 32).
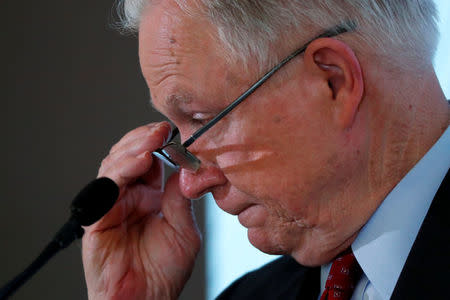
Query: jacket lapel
(427, 269)
(308, 286)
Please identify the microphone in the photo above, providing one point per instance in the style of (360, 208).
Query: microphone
(94, 201)
(89, 206)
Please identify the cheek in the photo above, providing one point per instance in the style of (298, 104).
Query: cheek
(244, 148)
(244, 159)
(241, 160)
(279, 235)
(290, 192)
(277, 162)
(277, 155)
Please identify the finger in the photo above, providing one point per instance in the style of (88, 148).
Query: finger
(146, 132)
(154, 178)
(136, 203)
(135, 148)
(128, 169)
(153, 139)
(177, 210)
(137, 199)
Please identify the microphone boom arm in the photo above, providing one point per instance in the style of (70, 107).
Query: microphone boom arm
(89, 206)
(69, 232)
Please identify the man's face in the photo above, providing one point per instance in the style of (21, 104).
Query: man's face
(274, 161)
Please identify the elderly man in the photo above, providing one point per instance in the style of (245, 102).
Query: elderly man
(337, 158)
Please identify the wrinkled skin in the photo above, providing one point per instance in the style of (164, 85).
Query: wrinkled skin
(250, 162)
(303, 162)
(145, 247)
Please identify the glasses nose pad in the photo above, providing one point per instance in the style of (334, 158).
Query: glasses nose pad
(166, 160)
(177, 156)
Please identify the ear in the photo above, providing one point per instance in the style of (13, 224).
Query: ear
(336, 64)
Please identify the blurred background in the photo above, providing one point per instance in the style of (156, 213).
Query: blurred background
(70, 88)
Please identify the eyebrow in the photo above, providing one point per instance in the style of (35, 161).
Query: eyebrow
(174, 101)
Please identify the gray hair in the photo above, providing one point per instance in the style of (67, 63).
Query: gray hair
(403, 30)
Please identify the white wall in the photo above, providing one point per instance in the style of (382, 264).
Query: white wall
(442, 59)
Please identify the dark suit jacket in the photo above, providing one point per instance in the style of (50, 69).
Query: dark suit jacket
(425, 275)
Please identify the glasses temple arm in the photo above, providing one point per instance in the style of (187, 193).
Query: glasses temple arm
(344, 27)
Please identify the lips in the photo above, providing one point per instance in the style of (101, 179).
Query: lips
(252, 216)
(232, 208)
(230, 200)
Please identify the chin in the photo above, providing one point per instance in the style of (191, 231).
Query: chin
(265, 241)
(306, 253)
(311, 258)
(319, 254)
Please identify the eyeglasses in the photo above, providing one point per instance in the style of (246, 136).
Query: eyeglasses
(176, 155)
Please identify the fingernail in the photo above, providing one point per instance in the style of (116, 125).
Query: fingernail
(155, 128)
(163, 124)
(146, 154)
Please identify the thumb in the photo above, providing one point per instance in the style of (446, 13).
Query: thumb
(177, 210)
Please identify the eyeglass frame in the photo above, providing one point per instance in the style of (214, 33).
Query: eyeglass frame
(181, 149)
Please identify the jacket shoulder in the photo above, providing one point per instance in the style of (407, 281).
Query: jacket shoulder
(279, 279)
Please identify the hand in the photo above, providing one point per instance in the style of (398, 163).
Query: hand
(145, 247)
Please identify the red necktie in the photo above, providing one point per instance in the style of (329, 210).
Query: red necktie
(344, 274)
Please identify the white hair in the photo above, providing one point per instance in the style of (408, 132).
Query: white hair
(404, 30)
(129, 12)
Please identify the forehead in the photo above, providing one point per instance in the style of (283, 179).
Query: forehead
(165, 26)
(180, 57)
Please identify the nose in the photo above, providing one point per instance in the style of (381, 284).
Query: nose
(194, 185)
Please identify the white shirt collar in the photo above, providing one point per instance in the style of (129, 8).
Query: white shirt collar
(383, 244)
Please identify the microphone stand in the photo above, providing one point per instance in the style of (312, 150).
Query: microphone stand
(89, 206)
(70, 231)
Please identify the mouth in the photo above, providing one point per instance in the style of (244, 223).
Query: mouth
(236, 210)
(230, 201)
(252, 216)
(239, 211)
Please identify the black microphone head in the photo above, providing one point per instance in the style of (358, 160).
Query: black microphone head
(94, 201)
